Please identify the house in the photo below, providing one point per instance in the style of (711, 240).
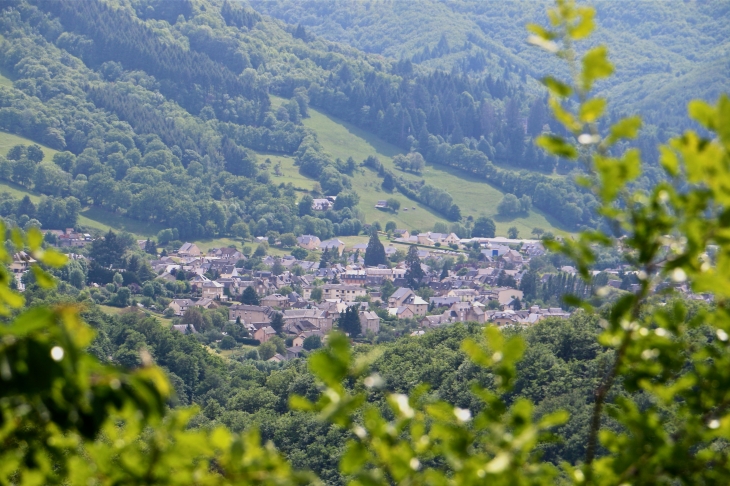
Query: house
(185, 328)
(275, 300)
(464, 295)
(277, 358)
(505, 295)
(180, 306)
(359, 278)
(21, 262)
(505, 318)
(206, 303)
(294, 352)
(430, 321)
(333, 244)
(402, 312)
(321, 204)
(212, 290)
(401, 233)
(308, 242)
(382, 204)
(250, 313)
(299, 340)
(189, 250)
(369, 321)
(264, 334)
(321, 319)
(230, 254)
(513, 256)
(340, 291)
(399, 297)
(418, 306)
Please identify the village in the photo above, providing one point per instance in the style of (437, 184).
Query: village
(468, 294)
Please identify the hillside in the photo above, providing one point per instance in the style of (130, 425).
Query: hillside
(160, 121)
(342, 140)
(665, 51)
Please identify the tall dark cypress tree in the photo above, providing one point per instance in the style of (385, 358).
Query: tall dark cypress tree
(349, 321)
(414, 273)
(375, 252)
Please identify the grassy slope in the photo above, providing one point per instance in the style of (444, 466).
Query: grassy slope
(474, 196)
(8, 140)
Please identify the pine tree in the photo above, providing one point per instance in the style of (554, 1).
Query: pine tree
(349, 321)
(324, 261)
(277, 322)
(249, 296)
(375, 252)
(414, 273)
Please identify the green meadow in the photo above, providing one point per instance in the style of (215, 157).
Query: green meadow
(474, 196)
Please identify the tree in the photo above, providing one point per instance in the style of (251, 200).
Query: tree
(349, 321)
(249, 296)
(267, 350)
(537, 232)
(288, 240)
(414, 272)
(277, 322)
(375, 251)
(277, 268)
(150, 247)
(260, 250)
(108, 251)
(325, 259)
(509, 205)
(228, 342)
(390, 226)
(312, 342)
(484, 228)
(316, 294)
(299, 253)
(393, 204)
(513, 232)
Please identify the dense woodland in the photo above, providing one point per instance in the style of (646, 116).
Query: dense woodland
(158, 107)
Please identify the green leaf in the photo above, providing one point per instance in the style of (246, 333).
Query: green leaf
(668, 159)
(557, 146)
(555, 418)
(585, 26)
(43, 278)
(556, 87)
(354, 458)
(53, 258)
(595, 66)
(35, 238)
(624, 128)
(540, 31)
(702, 113)
(592, 110)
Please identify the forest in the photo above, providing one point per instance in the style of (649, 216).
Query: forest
(146, 105)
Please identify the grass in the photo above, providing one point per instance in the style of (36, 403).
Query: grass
(115, 311)
(473, 195)
(8, 140)
(92, 217)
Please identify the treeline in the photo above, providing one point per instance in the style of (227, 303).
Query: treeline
(187, 76)
(559, 370)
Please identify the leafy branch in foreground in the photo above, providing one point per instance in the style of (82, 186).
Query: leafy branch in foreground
(665, 233)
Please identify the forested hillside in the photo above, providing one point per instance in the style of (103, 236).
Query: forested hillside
(157, 110)
(666, 52)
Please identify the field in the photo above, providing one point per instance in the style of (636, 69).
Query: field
(475, 197)
(8, 140)
(94, 218)
(115, 311)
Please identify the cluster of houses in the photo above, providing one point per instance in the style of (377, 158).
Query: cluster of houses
(467, 295)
